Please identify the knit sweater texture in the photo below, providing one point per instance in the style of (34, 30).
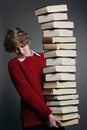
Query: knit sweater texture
(27, 77)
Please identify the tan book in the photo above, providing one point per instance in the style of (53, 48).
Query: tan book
(51, 9)
(58, 39)
(60, 53)
(59, 91)
(60, 77)
(60, 61)
(70, 122)
(52, 17)
(61, 97)
(64, 109)
(58, 24)
(64, 117)
(52, 69)
(56, 84)
(63, 103)
(58, 33)
(59, 46)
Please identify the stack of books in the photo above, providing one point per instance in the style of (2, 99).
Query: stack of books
(59, 45)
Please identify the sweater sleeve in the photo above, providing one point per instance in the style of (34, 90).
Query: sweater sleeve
(26, 92)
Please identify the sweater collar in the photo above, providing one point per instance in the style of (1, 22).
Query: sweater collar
(22, 59)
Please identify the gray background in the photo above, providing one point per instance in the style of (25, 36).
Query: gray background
(21, 13)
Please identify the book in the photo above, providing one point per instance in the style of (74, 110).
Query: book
(58, 39)
(63, 103)
(64, 117)
(64, 109)
(52, 69)
(58, 84)
(70, 122)
(58, 32)
(60, 53)
(61, 97)
(59, 91)
(57, 24)
(51, 9)
(59, 46)
(60, 77)
(52, 17)
(60, 61)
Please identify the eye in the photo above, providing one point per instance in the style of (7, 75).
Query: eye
(23, 45)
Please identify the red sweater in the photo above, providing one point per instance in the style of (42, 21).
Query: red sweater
(27, 77)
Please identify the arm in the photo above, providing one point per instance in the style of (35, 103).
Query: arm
(26, 91)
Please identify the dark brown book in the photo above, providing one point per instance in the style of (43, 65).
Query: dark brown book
(59, 91)
(58, 40)
(59, 46)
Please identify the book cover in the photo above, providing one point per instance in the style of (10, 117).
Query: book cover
(59, 46)
(70, 122)
(59, 91)
(64, 109)
(50, 9)
(52, 17)
(58, 33)
(60, 77)
(58, 39)
(65, 117)
(61, 97)
(63, 103)
(56, 84)
(52, 69)
(60, 61)
(58, 24)
(60, 53)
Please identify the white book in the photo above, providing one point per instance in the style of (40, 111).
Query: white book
(60, 53)
(61, 97)
(58, 24)
(60, 77)
(58, 32)
(58, 39)
(52, 17)
(51, 9)
(56, 84)
(70, 122)
(52, 69)
(64, 109)
(59, 91)
(60, 61)
(65, 117)
(59, 46)
(63, 103)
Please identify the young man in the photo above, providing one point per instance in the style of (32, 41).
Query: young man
(26, 72)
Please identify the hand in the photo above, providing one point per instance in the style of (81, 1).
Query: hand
(53, 121)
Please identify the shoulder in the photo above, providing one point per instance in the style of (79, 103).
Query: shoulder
(41, 54)
(12, 62)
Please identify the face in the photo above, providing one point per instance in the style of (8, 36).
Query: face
(22, 50)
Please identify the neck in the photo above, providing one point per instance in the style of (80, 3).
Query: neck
(28, 54)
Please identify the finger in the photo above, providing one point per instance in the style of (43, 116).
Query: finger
(78, 116)
(59, 123)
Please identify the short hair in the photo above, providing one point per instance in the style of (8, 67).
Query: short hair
(14, 37)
